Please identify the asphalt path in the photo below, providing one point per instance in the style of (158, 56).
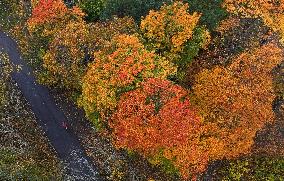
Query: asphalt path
(50, 118)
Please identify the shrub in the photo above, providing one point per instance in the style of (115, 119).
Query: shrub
(14, 167)
(2, 93)
(5, 70)
(25, 152)
(12, 13)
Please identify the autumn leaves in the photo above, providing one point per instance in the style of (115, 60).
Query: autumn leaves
(122, 71)
(236, 101)
(271, 12)
(121, 67)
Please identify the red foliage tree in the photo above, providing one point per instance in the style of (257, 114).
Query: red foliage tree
(158, 116)
(52, 15)
(46, 10)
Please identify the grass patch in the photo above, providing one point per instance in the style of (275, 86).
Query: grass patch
(253, 168)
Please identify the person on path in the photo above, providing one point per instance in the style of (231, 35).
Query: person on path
(64, 124)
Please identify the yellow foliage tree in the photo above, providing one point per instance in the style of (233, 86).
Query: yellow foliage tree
(173, 33)
(64, 59)
(168, 29)
(34, 3)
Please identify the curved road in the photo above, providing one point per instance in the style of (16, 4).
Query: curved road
(50, 118)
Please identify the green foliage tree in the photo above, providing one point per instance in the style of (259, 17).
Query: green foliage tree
(253, 168)
(133, 8)
(200, 40)
(211, 10)
(92, 8)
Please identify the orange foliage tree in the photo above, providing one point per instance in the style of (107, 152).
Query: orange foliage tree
(120, 66)
(71, 42)
(236, 101)
(158, 117)
(271, 12)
